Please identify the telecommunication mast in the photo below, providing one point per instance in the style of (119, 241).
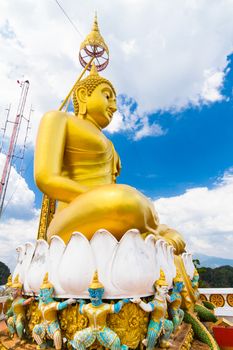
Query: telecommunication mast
(10, 154)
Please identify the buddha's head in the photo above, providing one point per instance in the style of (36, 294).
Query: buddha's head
(96, 290)
(94, 99)
(46, 290)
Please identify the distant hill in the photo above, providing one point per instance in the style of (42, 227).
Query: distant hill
(212, 261)
(4, 273)
(219, 277)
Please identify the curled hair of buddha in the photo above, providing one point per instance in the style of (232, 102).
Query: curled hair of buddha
(90, 83)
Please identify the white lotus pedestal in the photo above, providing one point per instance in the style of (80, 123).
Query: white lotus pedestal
(127, 268)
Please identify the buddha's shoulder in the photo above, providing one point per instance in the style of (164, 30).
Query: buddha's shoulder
(81, 125)
(55, 117)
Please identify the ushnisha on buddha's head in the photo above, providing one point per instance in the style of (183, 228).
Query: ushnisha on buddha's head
(94, 99)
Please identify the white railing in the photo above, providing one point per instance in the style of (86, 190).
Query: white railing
(222, 298)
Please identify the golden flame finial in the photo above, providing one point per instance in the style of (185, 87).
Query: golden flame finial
(16, 283)
(46, 284)
(178, 277)
(95, 26)
(162, 279)
(96, 284)
(9, 281)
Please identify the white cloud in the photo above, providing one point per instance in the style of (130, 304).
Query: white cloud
(204, 216)
(19, 222)
(128, 120)
(147, 129)
(13, 233)
(20, 200)
(212, 86)
(117, 123)
(165, 54)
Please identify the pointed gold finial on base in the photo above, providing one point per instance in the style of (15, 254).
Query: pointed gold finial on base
(9, 281)
(96, 284)
(16, 283)
(94, 38)
(46, 284)
(178, 277)
(162, 279)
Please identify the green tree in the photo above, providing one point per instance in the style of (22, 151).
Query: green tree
(4, 273)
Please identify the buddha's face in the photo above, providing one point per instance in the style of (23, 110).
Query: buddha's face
(101, 105)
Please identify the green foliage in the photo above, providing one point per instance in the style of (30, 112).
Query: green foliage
(4, 273)
(204, 314)
(201, 333)
(220, 277)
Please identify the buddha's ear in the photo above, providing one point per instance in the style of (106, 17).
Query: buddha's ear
(81, 96)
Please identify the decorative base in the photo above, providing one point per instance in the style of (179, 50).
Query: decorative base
(181, 341)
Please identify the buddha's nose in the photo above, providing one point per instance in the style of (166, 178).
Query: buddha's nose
(113, 106)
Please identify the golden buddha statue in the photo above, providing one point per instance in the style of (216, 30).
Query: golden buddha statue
(77, 165)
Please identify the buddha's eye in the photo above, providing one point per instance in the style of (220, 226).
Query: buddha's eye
(107, 94)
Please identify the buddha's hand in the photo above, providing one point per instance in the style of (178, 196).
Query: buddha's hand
(135, 300)
(71, 301)
(126, 300)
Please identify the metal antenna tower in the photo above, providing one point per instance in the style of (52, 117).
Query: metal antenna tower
(13, 141)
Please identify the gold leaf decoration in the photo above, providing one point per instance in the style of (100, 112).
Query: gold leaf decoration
(130, 324)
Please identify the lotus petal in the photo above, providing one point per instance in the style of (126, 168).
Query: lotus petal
(104, 246)
(191, 265)
(56, 251)
(77, 266)
(29, 250)
(188, 263)
(38, 266)
(162, 258)
(132, 270)
(18, 269)
(171, 267)
(151, 242)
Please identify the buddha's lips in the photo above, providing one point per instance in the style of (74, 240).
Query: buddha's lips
(110, 113)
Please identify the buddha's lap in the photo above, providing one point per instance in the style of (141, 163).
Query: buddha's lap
(114, 207)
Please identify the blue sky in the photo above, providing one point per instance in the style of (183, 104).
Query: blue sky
(173, 128)
(196, 149)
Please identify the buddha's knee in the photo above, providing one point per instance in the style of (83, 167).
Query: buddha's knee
(129, 198)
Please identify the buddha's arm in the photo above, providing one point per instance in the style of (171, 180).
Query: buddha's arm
(49, 154)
